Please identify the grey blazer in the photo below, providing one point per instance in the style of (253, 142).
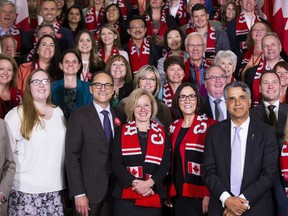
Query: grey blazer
(7, 163)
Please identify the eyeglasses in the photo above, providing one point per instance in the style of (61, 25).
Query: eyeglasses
(259, 30)
(146, 79)
(99, 85)
(137, 27)
(198, 46)
(213, 78)
(8, 12)
(191, 97)
(37, 82)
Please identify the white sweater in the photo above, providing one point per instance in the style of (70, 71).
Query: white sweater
(40, 160)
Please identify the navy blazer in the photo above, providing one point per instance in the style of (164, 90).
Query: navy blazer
(259, 172)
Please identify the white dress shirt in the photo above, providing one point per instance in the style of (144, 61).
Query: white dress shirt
(222, 106)
(276, 109)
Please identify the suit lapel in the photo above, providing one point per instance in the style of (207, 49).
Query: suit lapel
(250, 148)
(93, 115)
(227, 146)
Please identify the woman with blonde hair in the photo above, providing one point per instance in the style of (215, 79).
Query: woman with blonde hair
(37, 140)
(139, 189)
(148, 78)
(109, 43)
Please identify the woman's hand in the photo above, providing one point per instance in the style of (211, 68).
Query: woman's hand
(205, 203)
(143, 187)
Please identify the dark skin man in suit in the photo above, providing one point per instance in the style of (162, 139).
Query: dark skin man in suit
(258, 161)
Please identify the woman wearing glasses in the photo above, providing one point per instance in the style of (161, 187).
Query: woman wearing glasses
(37, 140)
(148, 78)
(140, 159)
(70, 93)
(190, 196)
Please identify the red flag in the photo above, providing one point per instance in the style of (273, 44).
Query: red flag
(22, 19)
(277, 15)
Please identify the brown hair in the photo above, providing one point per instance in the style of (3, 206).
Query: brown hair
(117, 57)
(249, 40)
(117, 41)
(31, 116)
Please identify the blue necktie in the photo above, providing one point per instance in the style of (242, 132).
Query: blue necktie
(236, 177)
(107, 126)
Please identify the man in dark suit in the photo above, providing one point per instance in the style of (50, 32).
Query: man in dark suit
(63, 35)
(88, 148)
(240, 160)
(214, 102)
(270, 91)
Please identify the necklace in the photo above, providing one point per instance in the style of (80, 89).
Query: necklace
(258, 57)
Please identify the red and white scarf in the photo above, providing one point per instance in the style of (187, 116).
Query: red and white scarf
(153, 158)
(16, 35)
(191, 151)
(167, 95)
(163, 25)
(101, 53)
(137, 61)
(217, 15)
(242, 30)
(92, 23)
(284, 166)
(263, 65)
(190, 27)
(123, 7)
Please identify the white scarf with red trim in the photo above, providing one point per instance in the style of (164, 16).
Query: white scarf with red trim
(92, 23)
(242, 30)
(163, 25)
(101, 53)
(284, 166)
(191, 151)
(167, 95)
(16, 35)
(138, 60)
(123, 7)
(153, 158)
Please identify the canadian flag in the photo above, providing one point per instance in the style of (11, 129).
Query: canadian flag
(136, 171)
(22, 19)
(278, 18)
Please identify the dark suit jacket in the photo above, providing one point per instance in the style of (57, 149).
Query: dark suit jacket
(259, 169)
(260, 114)
(207, 107)
(88, 153)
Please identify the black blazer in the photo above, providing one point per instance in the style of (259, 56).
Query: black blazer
(260, 114)
(260, 167)
(88, 153)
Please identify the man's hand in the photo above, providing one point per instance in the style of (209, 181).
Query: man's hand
(236, 205)
(1, 198)
(205, 203)
(82, 205)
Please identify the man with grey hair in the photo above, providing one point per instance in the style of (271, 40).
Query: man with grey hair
(195, 65)
(240, 159)
(7, 27)
(214, 102)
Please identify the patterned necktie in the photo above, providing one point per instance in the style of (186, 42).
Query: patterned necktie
(107, 126)
(236, 177)
(272, 117)
(219, 115)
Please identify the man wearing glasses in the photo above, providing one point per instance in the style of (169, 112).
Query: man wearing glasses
(195, 65)
(214, 102)
(89, 137)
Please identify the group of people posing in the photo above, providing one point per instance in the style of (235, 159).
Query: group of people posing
(133, 107)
